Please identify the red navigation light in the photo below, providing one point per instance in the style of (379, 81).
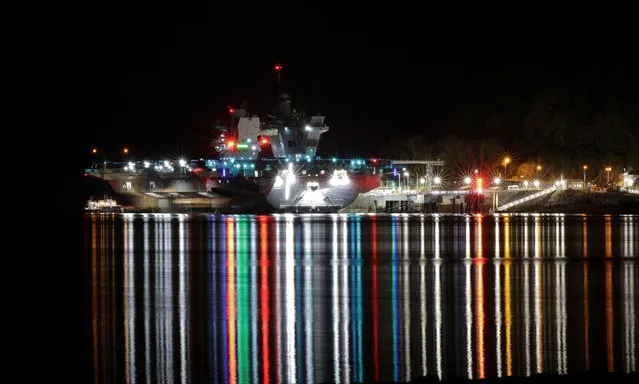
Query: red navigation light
(374, 161)
(264, 141)
(231, 110)
(230, 144)
(277, 67)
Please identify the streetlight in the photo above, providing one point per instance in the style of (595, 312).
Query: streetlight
(95, 152)
(608, 169)
(506, 162)
(585, 167)
(125, 150)
(538, 169)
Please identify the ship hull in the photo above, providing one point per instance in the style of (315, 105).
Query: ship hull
(318, 194)
(203, 193)
(247, 195)
(167, 193)
(308, 194)
(299, 198)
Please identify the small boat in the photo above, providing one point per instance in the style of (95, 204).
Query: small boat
(105, 205)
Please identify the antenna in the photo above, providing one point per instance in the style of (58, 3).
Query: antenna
(278, 70)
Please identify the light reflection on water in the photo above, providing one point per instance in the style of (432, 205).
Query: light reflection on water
(352, 298)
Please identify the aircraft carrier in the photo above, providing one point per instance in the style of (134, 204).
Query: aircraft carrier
(262, 165)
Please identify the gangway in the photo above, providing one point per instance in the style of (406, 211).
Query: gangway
(526, 198)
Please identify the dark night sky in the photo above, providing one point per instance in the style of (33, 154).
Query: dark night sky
(155, 79)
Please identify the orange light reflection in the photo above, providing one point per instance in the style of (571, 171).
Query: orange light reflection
(479, 289)
(585, 288)
(94, 284)
(507, 298)
(480, 319)
(609, 317)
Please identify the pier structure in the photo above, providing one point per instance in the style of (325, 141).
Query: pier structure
(416, 186)
(388, 200)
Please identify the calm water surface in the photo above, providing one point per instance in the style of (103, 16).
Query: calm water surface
(352, 298)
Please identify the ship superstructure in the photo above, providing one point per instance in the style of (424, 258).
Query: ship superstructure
(293, 134)
(289, 134)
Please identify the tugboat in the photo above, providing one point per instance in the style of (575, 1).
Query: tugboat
(107, 204)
